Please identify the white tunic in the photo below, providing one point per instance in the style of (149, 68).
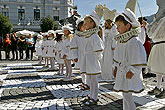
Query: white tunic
(92, 53)
(58, 53)
(129, 56)
(75, 50)
(51, 48)
(66, 49)
(107, 60)
(38, 47)
(156, 59)
(44, 48)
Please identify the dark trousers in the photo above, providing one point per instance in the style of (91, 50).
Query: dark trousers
(21, 53)
(14, 52)
(27, 52)
(0, 54)
(7, 54)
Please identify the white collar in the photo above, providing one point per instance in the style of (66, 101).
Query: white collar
(127, 35)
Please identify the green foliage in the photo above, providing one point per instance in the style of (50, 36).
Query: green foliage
(5, 25)
(48, 23)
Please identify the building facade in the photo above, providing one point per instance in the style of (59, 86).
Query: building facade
(26, 14)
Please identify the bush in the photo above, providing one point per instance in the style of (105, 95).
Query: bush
(48, 23)
(6, 26)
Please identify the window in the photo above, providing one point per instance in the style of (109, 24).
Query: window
(21, 0)
(56, 15)
(5, 12)
(56, 1)
(4, 0)
(21, 14)
(36, 14)
(37, 1)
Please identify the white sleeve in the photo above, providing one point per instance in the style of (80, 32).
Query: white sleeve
(142, 35)
(115, 57)
(136, 56)
(114, 30)
(98, 47)
(74, 47)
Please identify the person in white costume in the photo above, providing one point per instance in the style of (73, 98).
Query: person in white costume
(51, 48)
(129, 58)
(58, 52)
(156, 61)
(90, 64)
(77, 49)
(66, 52)
(109, 43)
(38, 47)
(45, 48)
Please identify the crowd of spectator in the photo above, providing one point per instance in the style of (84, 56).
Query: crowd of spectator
(15, 46)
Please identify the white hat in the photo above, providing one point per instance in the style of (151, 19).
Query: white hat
(51, 32)
(107, 14)
(130, 17)
(95, 17)
(67, 27)
(131, 4)
(78, 21)
(59, 31)
(44, 34)
(39, 36)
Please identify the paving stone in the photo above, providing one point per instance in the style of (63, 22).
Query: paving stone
(45, 90)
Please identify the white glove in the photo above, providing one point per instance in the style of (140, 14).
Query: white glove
(107, 14)
(99, 10)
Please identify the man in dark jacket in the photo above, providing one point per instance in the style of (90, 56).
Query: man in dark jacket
(14, 41)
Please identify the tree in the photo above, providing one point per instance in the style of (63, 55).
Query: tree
(48, 23)
(5, 25)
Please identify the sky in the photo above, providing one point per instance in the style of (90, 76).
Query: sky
(147, 7)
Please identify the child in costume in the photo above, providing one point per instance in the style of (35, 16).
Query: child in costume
(109, 43)
(156, 61)
(66, 52)
(93, 46)
(129, 58)
(58, 53)
(45, 48)
(77, 49)
(51, 48)
(38, 48)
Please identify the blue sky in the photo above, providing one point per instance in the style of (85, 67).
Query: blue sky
(148, 7)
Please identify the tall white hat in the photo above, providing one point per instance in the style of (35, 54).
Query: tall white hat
(130, 17)
(95, 17)
(131, 4)
(107, 14)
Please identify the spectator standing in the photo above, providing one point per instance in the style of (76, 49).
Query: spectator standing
(14, 45)
(21, 45)
(7, 45)
(1, 44)
(30, 42)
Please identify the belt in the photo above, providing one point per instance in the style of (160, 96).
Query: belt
(159, 42)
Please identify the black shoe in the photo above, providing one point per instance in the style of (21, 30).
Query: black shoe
(161, 95)
(155, 91)
(73, 65)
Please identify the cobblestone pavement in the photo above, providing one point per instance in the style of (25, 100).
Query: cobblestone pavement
(25, 86)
